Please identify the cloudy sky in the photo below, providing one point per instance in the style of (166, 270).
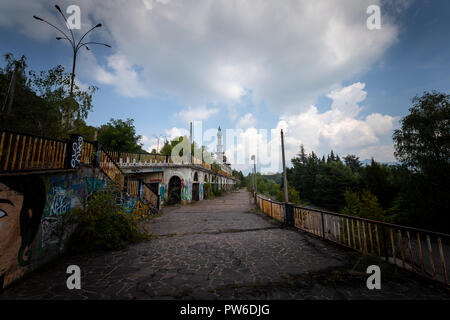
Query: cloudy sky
(310, 67)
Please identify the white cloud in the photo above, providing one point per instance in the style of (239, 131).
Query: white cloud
(176, 133)
(200, 113)
(246, 121)
(286, 52)
(123, 76)
(340, 128)
(148, 144)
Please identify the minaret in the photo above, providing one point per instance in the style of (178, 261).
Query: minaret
(219, 152)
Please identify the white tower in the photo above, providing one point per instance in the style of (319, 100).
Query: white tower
(219, 152)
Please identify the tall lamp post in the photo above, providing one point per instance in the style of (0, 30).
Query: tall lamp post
(75, 45)
(158, 137)
(255, 188)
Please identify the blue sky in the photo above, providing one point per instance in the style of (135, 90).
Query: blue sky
(309, 67)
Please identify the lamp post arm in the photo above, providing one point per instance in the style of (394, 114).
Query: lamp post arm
(79, 42)
(99, 43)
(52, 25)
(67, 25)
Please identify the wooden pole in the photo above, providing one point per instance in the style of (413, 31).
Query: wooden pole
(286, 199)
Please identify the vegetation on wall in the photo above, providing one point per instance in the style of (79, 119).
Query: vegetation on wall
(103, 225)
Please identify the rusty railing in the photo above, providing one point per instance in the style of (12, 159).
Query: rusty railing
(20, 152)
(110, 168)
(421, 251)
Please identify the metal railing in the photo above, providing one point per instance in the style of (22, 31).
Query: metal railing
(88, 151)
(110, 168)
(21, 152)
(421, 251)
(145, 158)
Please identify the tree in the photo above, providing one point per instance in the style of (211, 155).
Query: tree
(364, 205)
(423, 141)
(42, 103)
(423, 145)
(353, 163)
(119, 135)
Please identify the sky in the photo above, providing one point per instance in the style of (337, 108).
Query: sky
(311, 68)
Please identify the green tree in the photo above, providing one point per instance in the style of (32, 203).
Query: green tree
(423, 141)
(42, 103)
(353, 163)
(423, 145)
(364, 205)
(119, 135)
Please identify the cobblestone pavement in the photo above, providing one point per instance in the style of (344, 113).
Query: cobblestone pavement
(223, 249)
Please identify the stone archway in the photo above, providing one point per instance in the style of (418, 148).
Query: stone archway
(174, 192)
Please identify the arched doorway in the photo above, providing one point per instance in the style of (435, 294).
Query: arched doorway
(174, 194)
(196, 188)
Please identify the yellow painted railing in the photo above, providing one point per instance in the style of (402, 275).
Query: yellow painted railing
(421, 251)
(20, 152)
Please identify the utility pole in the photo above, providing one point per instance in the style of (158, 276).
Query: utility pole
(190, 141)
(256, 184)
(286, 199)
(253, 175)
(13, 85)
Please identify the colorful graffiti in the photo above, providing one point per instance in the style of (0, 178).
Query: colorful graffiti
(22, 201)
(186, 191)
(33, 207)
(141, 210)
(201, 191)
(64, 193)
(161, 191)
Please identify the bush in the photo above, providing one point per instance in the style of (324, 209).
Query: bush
(364, 205)
(207, 190)
(173, 197)
(217, 192)
(103, 225)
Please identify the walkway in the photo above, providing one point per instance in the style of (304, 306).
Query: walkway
(222, 249)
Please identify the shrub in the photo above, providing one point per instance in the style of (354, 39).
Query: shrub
(103, 225)
(217, 192)
(207, 190)
(364, 205)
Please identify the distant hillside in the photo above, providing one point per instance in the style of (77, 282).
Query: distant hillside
(367, 162)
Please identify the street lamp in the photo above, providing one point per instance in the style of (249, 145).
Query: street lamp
(75, 46)
(158, 137)
(255, 188)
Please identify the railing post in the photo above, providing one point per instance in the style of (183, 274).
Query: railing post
(385, 245)
(289, 214)
(74, 151)
(323, 225)
(97, 151)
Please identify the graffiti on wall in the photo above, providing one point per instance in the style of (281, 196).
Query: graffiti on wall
(64, 193)
(186, 190)
(22, 200)
(76, 152)
(201, 190)
(141, 210)
(161, 191)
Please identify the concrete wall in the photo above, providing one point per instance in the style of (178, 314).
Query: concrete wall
(186, 176)
(32, 208)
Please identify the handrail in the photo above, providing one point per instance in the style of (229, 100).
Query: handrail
(397, 244)
(391, 225)
(32, 135)
(25, 152)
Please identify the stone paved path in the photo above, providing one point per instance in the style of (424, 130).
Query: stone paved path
(222, 249)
